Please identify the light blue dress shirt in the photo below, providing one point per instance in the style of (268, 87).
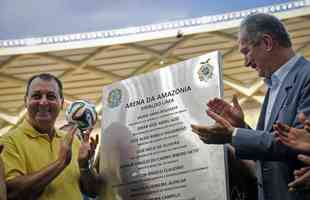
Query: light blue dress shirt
(275, 82)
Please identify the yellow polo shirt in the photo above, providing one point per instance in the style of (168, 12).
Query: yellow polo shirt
(27, 151)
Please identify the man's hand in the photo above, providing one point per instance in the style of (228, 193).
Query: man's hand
(302, 176)
(233, 114)
(65, 152)
(90, 181)
(87, 149)
(3, 194)
(298, 139)
(220, 133)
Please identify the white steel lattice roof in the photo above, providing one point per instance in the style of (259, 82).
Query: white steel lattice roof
(85, 62)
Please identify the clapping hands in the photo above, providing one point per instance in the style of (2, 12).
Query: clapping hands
(297, 139)
(226, 116)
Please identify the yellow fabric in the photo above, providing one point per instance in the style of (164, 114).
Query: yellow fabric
(107, 193)
(26, 151)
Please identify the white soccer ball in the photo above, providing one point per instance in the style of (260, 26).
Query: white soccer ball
(82, 113)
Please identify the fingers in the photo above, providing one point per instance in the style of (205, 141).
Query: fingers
(307, 125)
(282, 135)
(93, 146)
(305, 159)
(300, 181)
(219, 119)
(198, 128)
(97, 139)
(204, 139)
(302, 119)
(282, 139)
(90, 142)
(217, 105)
(86, 137)
(282, 129)
(79, 113)
(301, 171)
(94, 142)
(201, 131)
(70, 135)
(236, 102)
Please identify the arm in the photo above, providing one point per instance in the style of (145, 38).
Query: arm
(32, 185)
(249, 144)
(263, 145)
(259, 145)
(90, 180)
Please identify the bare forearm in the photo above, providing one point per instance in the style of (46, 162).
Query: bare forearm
(33, 184)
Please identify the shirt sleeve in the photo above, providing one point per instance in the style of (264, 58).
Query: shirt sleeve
(13, 161)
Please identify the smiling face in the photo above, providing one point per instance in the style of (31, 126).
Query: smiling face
(43, 104)
(256, 55)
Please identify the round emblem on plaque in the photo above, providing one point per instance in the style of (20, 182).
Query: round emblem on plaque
(205, 71)
(115, 98)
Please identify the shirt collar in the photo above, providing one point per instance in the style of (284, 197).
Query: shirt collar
(32, 132)
(279, 75)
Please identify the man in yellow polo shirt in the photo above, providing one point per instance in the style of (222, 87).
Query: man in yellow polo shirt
(40, 161)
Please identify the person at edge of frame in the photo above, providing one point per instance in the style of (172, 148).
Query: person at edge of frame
(41, 161)
(267, 48)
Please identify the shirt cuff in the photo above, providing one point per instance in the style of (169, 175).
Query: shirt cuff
(235, 132)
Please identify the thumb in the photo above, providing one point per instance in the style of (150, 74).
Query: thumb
(236, 102)
(305, 159)
(301, 117)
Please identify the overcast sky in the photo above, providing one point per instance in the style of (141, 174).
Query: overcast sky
(35, 18)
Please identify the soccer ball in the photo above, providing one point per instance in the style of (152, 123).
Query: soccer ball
(82, 113)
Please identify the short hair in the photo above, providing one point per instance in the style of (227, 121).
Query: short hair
(46, 77)
(258, 24)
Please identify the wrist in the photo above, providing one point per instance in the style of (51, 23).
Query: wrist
(85, 169)
(84, 164)
(61, 164)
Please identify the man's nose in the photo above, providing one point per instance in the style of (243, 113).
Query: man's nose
(43, 100)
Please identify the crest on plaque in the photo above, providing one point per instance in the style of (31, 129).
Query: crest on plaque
(205, 71)
(115, 98)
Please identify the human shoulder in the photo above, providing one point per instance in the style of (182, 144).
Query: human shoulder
(304, 65)
(13, 134)
(301, 71)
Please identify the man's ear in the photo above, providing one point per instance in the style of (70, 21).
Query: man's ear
(268, 42)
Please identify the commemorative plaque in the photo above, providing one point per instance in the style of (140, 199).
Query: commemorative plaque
(148, 151)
